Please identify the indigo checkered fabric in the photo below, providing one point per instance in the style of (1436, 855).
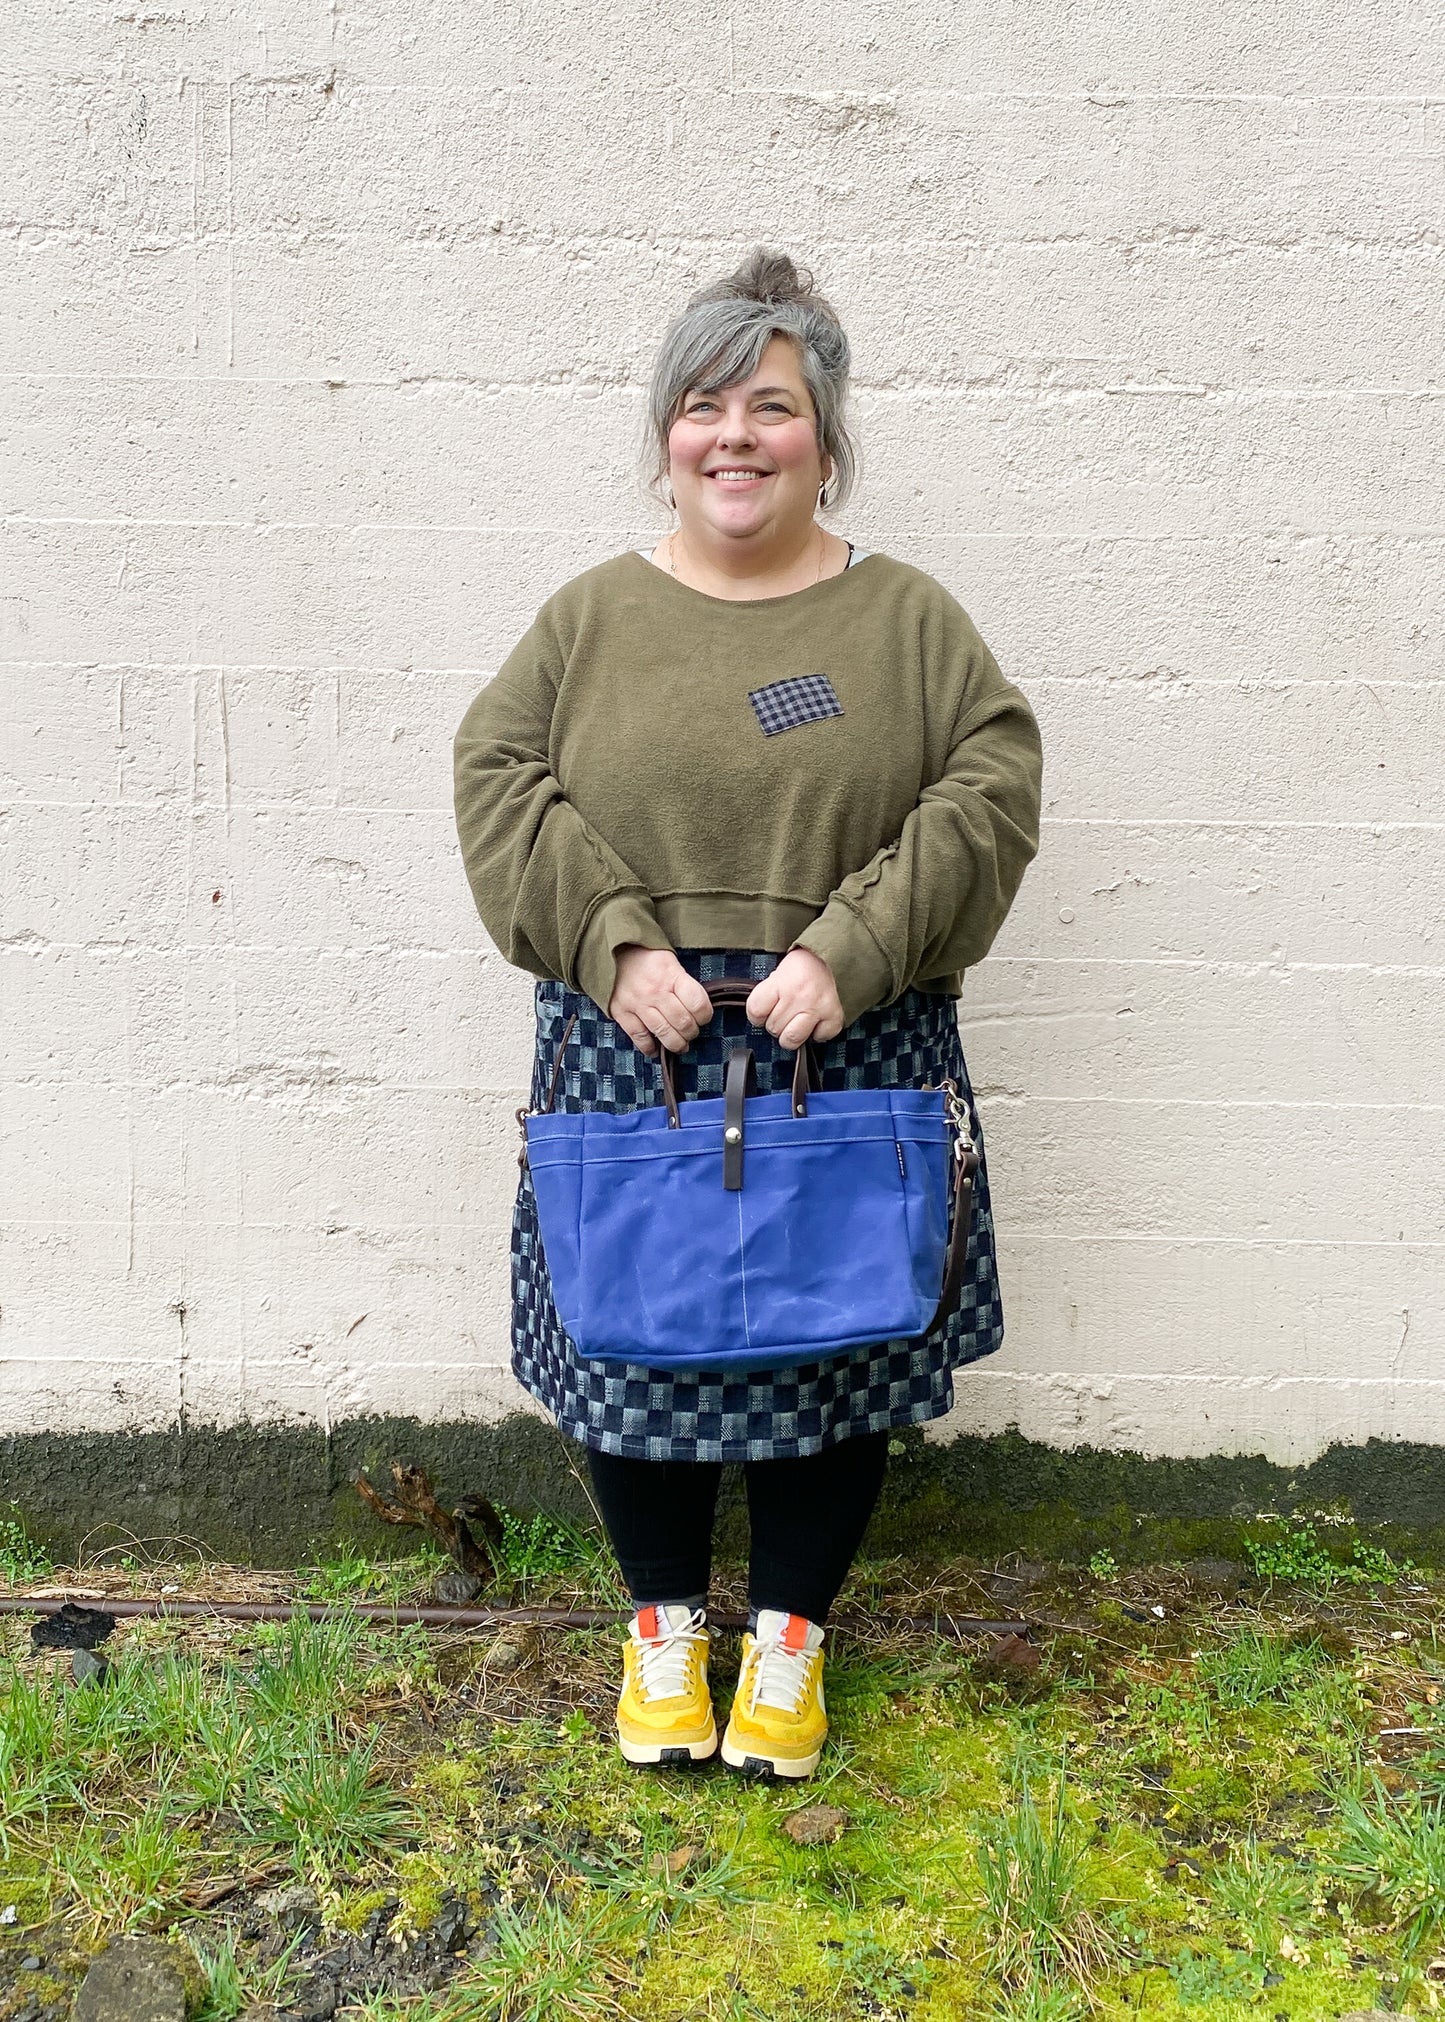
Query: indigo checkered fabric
(783, 705)
(757, 1414)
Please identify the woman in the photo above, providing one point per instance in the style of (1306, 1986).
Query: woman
(753, 751)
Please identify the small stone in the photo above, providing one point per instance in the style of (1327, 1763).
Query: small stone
(816, 1825)
(457, 1590)
(288, 1905)
(1009, 1582)
(513, 1648)
(316, 2001)
(1012, 1653)
(453, 1924)
(89, 1667)
(133, 1980)
(30, 1965)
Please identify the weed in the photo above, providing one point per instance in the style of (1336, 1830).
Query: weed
(879, 1975)
(541, 1548)
(1203, 1981)
(226, 1752)
(1104, 1566)
(1266, 1898)
(656, 1885)
(21, 1558)
(1297, 1552)
(350, 1575)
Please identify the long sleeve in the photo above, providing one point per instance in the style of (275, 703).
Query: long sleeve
(553, 894)
(931, 902)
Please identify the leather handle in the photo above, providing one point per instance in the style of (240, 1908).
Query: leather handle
(807, 1075)
(740, 1082)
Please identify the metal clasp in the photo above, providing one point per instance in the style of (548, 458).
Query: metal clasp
(958, 1116)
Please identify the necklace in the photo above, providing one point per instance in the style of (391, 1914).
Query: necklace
(672, 557)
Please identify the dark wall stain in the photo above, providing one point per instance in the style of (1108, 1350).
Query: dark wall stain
(276, 1495)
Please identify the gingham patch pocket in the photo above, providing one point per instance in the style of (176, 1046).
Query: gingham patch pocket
(783, 705)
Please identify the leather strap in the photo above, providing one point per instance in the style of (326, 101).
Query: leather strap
(741, 1081)
(963, 1171)
(807, 1074)
(557, 1064)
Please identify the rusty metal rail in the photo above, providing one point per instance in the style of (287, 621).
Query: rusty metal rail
(402, 1617)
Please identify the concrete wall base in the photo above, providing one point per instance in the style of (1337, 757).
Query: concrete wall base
(280, 1495)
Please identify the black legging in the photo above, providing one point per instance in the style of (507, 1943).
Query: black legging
(808, 1517)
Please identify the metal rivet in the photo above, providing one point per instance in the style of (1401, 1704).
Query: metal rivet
(732, 1135)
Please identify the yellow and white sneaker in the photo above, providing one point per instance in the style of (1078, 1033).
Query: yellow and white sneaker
(665, 1712)
(778, 1722)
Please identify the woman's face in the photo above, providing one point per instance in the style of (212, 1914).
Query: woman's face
(745, 460)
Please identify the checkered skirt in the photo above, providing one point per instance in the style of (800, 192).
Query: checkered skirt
(755, 1414)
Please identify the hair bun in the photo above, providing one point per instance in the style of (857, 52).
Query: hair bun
(767, 275)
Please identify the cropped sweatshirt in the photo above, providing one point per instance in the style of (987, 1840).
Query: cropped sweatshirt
(843, 769)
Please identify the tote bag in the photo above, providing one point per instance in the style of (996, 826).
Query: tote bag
(752, 1231)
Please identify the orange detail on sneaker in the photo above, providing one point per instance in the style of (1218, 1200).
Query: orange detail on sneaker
(779, 1720)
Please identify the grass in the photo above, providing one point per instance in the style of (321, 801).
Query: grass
(1194, 1809)
(1038, 1907)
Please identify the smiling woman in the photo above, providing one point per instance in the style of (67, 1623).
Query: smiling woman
(702, 766)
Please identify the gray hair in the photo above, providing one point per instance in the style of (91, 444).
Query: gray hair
(719, 340)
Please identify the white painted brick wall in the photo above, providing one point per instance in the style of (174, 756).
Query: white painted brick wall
(322, 333)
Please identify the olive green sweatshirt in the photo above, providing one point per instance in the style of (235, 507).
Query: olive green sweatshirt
(843, 769)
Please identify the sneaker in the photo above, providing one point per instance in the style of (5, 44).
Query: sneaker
(665, 1712)
(778, 1722)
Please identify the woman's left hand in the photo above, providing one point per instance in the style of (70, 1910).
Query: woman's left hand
(799, 1001)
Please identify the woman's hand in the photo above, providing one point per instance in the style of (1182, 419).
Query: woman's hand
(655, 999)
(799, 1001)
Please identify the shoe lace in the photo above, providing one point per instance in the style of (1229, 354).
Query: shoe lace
(780, 1676)
(665, 1660)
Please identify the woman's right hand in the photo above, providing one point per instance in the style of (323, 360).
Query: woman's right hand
(654, 998)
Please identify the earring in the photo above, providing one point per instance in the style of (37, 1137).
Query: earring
(823, 495)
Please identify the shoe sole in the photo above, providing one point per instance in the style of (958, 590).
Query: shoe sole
(770, 1768)
(669, 1754)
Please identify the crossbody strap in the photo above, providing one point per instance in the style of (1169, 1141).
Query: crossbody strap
(964, 1168)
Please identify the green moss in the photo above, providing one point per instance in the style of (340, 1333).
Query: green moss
(26, 1889)
(350, 1910)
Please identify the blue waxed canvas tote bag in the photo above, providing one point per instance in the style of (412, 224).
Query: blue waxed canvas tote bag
(752, 1231)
